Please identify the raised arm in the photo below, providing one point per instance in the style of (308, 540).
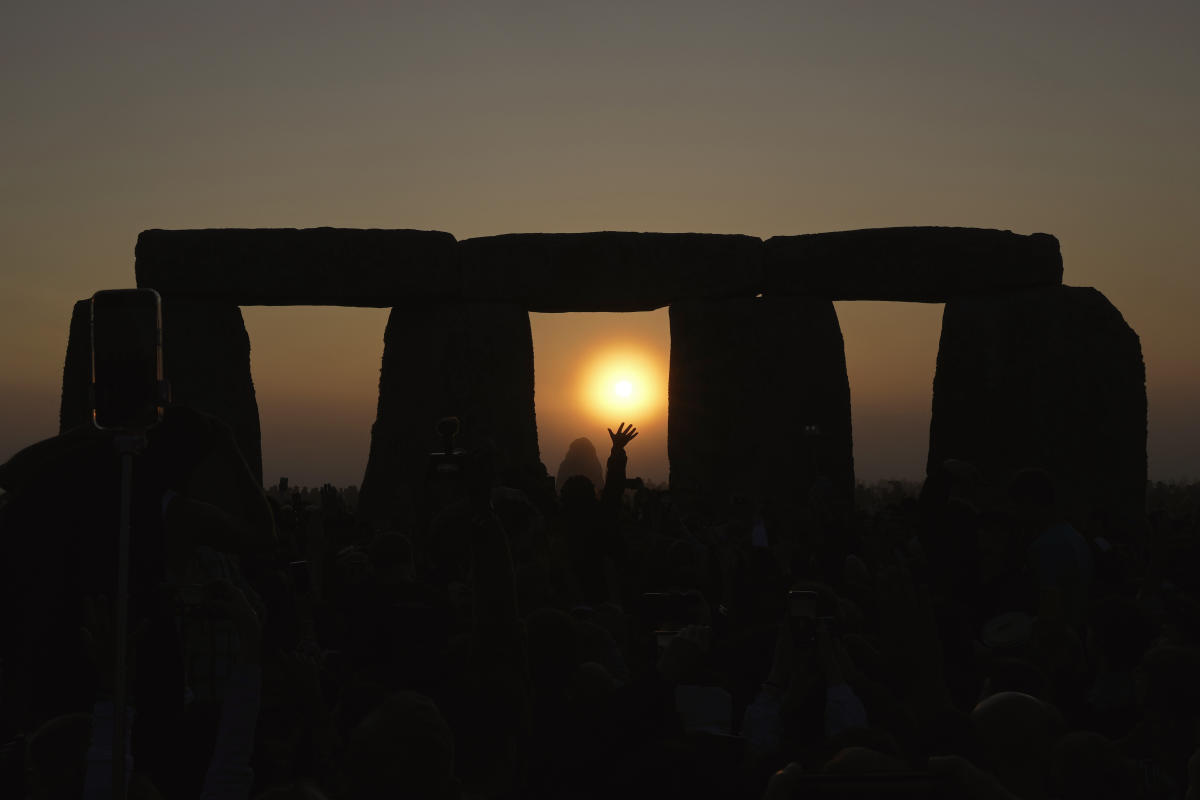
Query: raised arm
(614, 479)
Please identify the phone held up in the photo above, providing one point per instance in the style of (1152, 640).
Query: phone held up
(128, 392)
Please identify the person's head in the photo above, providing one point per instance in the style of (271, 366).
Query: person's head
(1016, 732)
(402, 749)
(1015, 675)
(858, 760)
(1087, 766)
(578, 494)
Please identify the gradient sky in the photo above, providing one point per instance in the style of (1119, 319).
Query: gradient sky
(770, 118)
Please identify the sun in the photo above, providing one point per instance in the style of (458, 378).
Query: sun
(623, 381)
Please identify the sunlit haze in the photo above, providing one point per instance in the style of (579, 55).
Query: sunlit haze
(594, 371)
(1077, 119)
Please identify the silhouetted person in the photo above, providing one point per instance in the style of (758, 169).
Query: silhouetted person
(581, 459)
(194, 502)
(1058, 554)
(591, 524)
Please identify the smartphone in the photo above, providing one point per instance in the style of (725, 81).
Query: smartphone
(127, 390)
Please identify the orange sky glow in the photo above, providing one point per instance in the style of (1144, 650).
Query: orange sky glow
(1078, 120)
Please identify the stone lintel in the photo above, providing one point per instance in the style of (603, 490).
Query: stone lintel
(609, 270)
(289, 266)
(920, 264)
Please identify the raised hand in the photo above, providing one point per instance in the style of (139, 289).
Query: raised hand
(623, 436)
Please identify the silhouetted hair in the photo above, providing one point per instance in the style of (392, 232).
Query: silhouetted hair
(404, 748)
(578, 490)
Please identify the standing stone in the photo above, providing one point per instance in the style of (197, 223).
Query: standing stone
(750, 378)
(473, 361)
(206, 359)
(75, 407)
(1050, 378)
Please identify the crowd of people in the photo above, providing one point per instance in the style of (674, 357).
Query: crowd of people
(583, 641)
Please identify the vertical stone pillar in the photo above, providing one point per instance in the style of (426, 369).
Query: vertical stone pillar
(749, 380)
(75, 407)
(206, 359)
(473, 361)
(1050, 378)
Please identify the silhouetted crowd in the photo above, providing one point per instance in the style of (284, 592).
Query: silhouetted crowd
(566, 640)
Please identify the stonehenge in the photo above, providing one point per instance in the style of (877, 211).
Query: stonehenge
(1030, 372)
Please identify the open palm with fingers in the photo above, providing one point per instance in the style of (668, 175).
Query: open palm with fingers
(623, 436)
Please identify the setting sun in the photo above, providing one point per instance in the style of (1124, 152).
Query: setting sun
(623, 381)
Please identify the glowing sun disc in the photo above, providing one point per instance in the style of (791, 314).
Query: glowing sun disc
(623, 381)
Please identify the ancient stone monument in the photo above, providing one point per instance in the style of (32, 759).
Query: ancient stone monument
(1030, 372)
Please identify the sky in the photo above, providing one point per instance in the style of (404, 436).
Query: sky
(769, 118)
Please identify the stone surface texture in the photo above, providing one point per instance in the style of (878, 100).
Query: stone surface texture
(609, 271)
(75, 407)
(473, 361)
(748, 379)
(287, 266)
(927, 264)
(206, 359)
(1050, 378)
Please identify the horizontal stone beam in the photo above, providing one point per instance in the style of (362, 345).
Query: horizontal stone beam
(609, 271)
(603, 271)
(924, 265)
(286, 266)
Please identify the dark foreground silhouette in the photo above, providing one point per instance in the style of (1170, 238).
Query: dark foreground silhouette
(595, 642)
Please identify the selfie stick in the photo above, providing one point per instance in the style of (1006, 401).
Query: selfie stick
(128, 445)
